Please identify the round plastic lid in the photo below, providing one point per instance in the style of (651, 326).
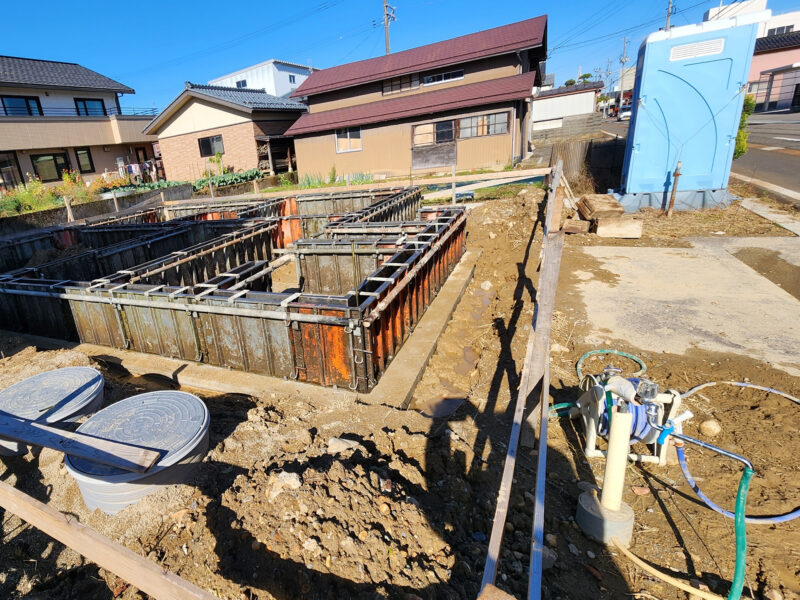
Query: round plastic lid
(52, 396)
(169, 421)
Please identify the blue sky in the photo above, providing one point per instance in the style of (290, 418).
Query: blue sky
(155, 47)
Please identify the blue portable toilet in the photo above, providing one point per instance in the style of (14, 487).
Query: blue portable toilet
(687, 100)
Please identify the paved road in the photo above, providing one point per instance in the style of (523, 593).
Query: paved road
(774, 153)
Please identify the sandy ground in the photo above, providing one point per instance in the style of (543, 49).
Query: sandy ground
(300, 499)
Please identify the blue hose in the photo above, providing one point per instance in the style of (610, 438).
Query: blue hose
(707, 501)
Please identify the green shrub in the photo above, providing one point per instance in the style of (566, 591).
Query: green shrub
(748, 106)
(29, 197)
(360, 178)
(312, 180)
(332, 174)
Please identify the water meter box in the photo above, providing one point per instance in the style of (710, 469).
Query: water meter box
(690, 85)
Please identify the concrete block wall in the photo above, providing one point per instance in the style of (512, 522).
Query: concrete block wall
(576, 126)
(181, 153)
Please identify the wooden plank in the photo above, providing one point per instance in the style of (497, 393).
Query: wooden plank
(144, 574)
(619, 227)
(575, 226)
(107, 452)
(598, 206)
(536, 356)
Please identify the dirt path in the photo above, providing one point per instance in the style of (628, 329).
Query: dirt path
(300, 499)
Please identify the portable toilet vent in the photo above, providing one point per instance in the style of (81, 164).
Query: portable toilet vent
(687, 100)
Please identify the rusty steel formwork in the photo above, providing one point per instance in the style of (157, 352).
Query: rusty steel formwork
(367, 277)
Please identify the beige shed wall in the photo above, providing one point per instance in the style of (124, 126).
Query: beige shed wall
(386, 149)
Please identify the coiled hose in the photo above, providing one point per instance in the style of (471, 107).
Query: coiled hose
(635, 359)
(774, 520)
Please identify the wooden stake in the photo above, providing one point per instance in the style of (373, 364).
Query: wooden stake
(116, 204)
(68, 204)
(143, 574)
(269, 156)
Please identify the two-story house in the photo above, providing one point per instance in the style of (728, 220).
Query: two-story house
(57, 116)
(463, 102)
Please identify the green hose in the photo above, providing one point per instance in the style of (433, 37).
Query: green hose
(741, 535)
(562, 409)
(635, 359)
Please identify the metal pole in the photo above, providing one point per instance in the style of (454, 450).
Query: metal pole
(675, 176)
(669, 12)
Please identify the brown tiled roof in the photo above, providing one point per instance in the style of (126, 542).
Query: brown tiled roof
(462, 96)
(500, 40)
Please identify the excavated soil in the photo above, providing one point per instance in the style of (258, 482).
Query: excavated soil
(301, 499)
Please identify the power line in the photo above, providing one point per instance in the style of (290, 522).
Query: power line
(321, 7)
(627, 30)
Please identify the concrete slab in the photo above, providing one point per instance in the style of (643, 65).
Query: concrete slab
(783, 219)
(674, 299)
(395, 387)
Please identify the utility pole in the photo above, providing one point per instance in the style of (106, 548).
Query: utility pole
(388, 17)
(669, 12)
(622, 60)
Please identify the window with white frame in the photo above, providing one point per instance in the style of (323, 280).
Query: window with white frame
(400, 84)
(242, 83)
(435, 78)
(348, 139)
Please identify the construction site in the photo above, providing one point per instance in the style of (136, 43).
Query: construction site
(372, 370)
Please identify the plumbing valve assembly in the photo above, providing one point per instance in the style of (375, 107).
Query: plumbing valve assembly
(631, 410)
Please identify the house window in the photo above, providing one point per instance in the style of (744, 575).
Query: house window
(209, 146)
(49, 167)
(9, 171)
(242, 83)
(88, 107)
(780, 30)
(21, 106)
(400, 84)
(348, 140)
(443, 77)
(434, 133)
(493, 124)
(85, 163)
(292, 78)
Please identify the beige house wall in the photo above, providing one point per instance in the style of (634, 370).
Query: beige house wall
(386, 149)
(28, 133)
(474, 72)
(199, 115)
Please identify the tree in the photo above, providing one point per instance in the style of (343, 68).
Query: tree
(585, 77)
(569, 82)
(748, 107)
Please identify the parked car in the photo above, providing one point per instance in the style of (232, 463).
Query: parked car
(624, 113)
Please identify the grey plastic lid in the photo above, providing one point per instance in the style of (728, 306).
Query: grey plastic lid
(58, 395)
(169, 421)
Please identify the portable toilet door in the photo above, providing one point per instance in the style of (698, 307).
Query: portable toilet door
(688, 95)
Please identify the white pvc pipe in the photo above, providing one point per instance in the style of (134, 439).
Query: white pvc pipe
(616, 460)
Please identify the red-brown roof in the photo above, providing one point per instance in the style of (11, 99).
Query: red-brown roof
(462, 96)
(491, 42)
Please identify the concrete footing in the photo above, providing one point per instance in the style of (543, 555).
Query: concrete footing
(600, 523)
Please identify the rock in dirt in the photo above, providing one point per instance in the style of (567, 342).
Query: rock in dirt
(549, 557)
(283, 481)
(492, 235)
(773, 595)
(574, 549)
(486, 285)
(337, 445)
(710, 428)
(551, 539)
(522, 192)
